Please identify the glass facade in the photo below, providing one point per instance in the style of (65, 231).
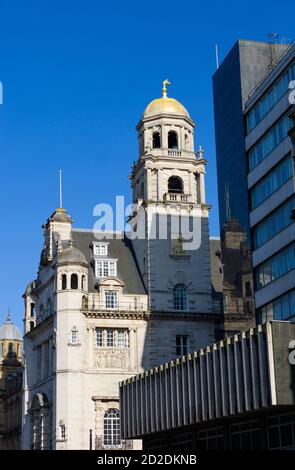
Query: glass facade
(269, 99)
(269, 142)
(272, 181)
(230, 138)
(273, 224)
(282, 308)
(275, 267)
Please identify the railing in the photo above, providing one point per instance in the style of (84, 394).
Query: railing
(134, 305)
(174, 153)
(175, 197)
(122, 444)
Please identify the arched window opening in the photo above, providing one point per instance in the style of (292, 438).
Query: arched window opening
(63, 281)
(31, 325)
(180, 297)
(32, 310)
(10, 349)
(83, 282)
(74, 281)
(175, 185)
(111, 424)
(156, 140)
(172, 140)
(41, 423)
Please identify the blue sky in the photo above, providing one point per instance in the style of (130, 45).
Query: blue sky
(77, 76)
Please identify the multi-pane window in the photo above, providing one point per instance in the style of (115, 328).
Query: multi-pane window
(122, 339)
(282, 308)
(111, 299)
(281, 432)
(112, 338)
(269, 142)
(74, 336)
(99, 337)
(111, 428)
(100, 249)
(268, 101)
(105, 268)
(182, 345)
(273, 224)
(272, 181)
(180, 297)
(275, 267)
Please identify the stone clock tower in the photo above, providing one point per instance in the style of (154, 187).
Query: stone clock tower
(171, 215)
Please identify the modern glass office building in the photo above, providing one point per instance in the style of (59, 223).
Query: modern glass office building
(270, 183)
(239, 73)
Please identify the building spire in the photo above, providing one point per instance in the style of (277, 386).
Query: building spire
(8, 320)
(164, 89)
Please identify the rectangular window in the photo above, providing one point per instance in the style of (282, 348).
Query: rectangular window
(268, 101)
(282, 308)
(74, 337)
(122, 339)
(105, 268)
(182, 345)
(272, 181)
(111, 299)
(273, 223)
(100, 249)
(269, 142)
(99, 337)
(275, 267)
(110, 338)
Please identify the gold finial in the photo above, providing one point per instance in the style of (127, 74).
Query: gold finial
(164, 89)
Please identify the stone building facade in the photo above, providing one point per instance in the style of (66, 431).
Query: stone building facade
(10, 385)
(109, 305)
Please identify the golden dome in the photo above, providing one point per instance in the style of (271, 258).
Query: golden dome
(165, 105)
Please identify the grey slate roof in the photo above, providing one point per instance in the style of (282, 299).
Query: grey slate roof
(120, 249)
(71, 255)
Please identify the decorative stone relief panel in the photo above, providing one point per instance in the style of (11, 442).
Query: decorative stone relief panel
(111, 358)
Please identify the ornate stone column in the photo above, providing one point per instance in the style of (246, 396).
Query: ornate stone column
(202, 187)
(160, 195)
(164, 137)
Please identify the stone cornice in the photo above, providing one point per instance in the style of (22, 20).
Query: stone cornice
(117, 314)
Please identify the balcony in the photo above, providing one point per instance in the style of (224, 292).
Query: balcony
(135, 304)
(120, 445)
(177, 197)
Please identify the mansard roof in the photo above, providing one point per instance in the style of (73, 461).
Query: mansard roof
(118, 248)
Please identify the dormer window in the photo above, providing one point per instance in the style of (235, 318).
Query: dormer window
(100, 249)
(105, 268)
